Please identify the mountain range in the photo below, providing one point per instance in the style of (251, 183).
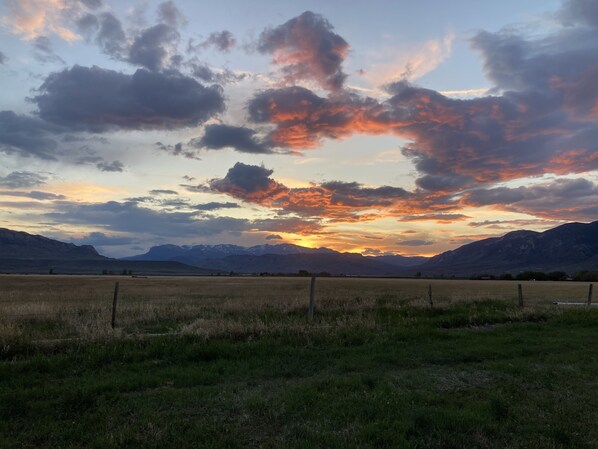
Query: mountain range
(282, 258)
(570, 247)
(21, 252)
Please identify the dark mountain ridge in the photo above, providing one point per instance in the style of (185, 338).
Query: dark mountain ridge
(282, 258)
(21, 252)
(21, 245)
(569, 247)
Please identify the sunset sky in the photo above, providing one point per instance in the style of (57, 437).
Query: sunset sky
(374, 127)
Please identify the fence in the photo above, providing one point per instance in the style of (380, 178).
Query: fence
(75, 306)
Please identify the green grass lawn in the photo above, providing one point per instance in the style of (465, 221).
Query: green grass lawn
(475, 375)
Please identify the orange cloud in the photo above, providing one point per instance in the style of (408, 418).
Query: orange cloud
(33, 18)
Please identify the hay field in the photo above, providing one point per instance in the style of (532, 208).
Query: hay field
(37, 308)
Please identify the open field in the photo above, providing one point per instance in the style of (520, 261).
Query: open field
(243, 367)
(55, 307)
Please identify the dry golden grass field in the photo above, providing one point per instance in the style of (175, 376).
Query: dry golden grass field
(38, 308)
(235, 362)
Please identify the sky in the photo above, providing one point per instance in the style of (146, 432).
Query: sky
(372, 127)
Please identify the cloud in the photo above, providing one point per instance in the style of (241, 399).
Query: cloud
(509, 224)
(33, 18)
(580, 11)
(101, 239)
(292, 225)
(303, 118)
(308, 49)
(410, 64)
(273, 237)
(27, 136)
(242, 139)
(245, 180)
(177, 150)
(35, 195)
(540, 118)
(209, 75)
(114, 166)
(22, 180)
(110, 37)
(130, 218)
(561, 199)
(439, 218)
(221, 40)
(163, 192)
(44, 52)
(415, 242)
(215, 206)
(169, 14)
(334, 200)
(97, 100)
(3, 58)
(155, 47)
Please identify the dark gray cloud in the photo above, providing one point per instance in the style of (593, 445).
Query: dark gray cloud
(35, 195)
(309, 50)
(22, 180)
(155, 47)
(333, 200)
(44, 52)
(510, 224)
(3, 58)
(439, 218)
(114, 166)
(564, 199)
(203, 72)
(163, 192)
(580, 11)
(27, 136)
(93, 4)
(130, 217)
(221, 40)
(244, 178)
(273, 237)
(353, 193)
(169, 14)
(101, 239)
(215, 206)
(97, 100)
(178, 149)
(111, 36)
(239, 138)
(87, 25)
(415, 242)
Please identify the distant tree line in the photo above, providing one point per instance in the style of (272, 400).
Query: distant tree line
(583, 276)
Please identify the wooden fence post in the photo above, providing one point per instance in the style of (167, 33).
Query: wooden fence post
(114, 304)
(430, 296)
(312, 299)
(590, 295)
(520, 294)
